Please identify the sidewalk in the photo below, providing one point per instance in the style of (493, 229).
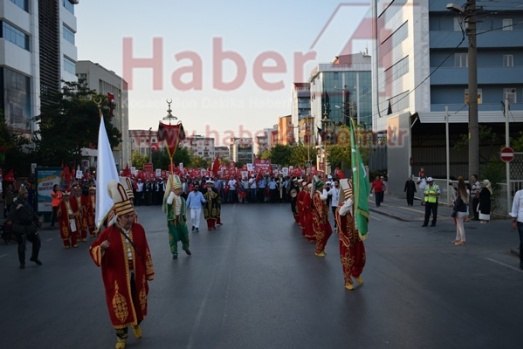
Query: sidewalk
(397, 208)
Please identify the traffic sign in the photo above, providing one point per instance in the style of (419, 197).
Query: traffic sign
(507, 154)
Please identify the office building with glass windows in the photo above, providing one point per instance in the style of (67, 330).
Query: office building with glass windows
(340, 90)
(37, 51)
(421, 79)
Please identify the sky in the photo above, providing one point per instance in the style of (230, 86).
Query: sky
(227, 66)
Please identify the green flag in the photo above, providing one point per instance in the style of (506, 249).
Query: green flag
(361, 187)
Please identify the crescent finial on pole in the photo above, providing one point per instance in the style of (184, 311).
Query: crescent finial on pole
(98, 102)
(170, 115)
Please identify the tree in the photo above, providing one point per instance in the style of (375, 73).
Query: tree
(300, 154)
(198, 162)
(161, 158)
(70, 122)
(138, 160)
(280, 154)
(13, 146)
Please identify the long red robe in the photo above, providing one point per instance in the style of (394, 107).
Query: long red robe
(352, 250)
(66, 211)
(320, 222)
(299, 209)
(116, 274)
(308, 232)
(89, 204)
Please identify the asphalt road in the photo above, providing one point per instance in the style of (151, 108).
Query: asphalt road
(255, 283)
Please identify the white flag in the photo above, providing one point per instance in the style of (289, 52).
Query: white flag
(105, 172)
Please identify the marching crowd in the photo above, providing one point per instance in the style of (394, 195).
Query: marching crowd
(311, 202)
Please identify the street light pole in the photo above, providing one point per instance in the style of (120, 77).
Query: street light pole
(470, 11)
(150, 146)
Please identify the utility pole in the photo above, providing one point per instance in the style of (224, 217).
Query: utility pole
(470, 16)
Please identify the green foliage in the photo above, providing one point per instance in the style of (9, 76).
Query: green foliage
(487, 138)
(494, 171)
(300, 154)
(198, 162)
(69, 122)
(139, 160)
(161, 158)
(280, 154)
(517, 143)
(16, 155)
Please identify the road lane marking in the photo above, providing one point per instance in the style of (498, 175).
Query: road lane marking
(503, 264)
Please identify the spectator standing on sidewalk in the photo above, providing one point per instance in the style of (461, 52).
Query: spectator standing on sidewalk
(460, 206)
(485, 202)
(422, 183)
(377, 188)
(431, 196)
(474, 193)
(56, 199)
(410, 189)
(517, 221)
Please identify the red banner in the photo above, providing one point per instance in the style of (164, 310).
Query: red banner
(172, 135)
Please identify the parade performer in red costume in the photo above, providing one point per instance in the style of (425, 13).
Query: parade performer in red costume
(320, 214)
(67, 222)
(123, 254)
(352, 250)
(211, 209)
(80, 212)
(89, 203)
(308, 232)
(299, 206)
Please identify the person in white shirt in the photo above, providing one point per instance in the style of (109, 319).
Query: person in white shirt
(517, 221)
(195, 200)
(252, 189)
(233, 196)
(334, 193)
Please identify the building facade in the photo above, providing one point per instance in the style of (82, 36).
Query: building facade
(200, 146)
(301, 107)
(420, 81)
(105, 81)
(242, 150)
(342, 89)
(37, 51)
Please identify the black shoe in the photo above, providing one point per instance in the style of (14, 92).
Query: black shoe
(424, 225)
(188, 252)
(197, 230)
(22, 265)
(433, 225)
(36, 261)
(175, 256)
(193, 228)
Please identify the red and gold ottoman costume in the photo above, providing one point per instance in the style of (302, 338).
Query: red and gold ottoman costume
(66, 212)
(352, 250)
(320, 218)
(125, 259)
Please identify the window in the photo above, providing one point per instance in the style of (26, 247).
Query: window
(68, 5)
(460, 24)
(69, 65)
(480, 93)
(23, 4)
(510, 95)
(461, 60)
(17, 92)
(508, 60)
(14, 35)
(68, 34)
(507, 24)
